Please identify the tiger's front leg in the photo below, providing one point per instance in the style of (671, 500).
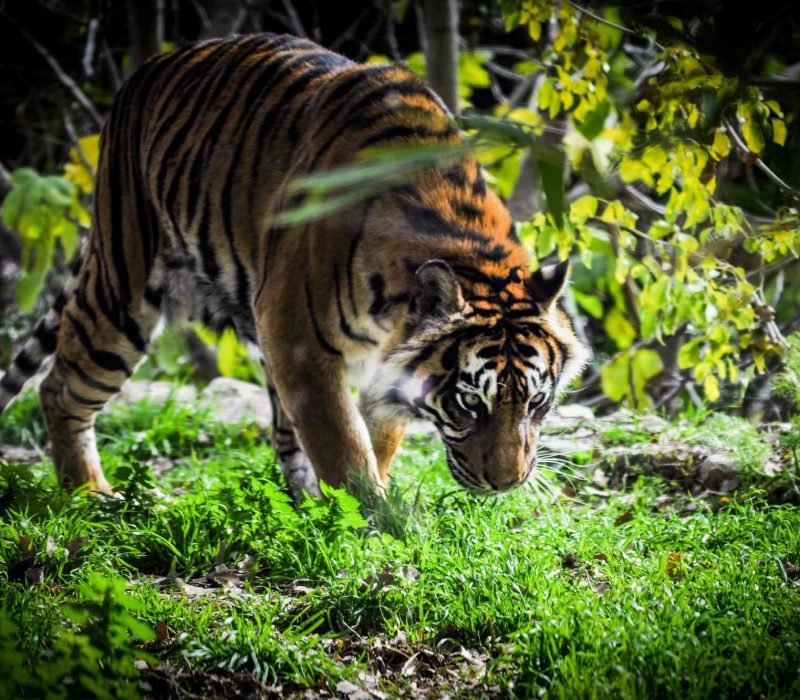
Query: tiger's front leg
(297, 469)
(305, 361)
(331, 431)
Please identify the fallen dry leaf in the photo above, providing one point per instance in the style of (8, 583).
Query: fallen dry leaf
(792, 571)
(162, 631)
(570, 561)
(35, 575)
(626, 517)
(674, 565)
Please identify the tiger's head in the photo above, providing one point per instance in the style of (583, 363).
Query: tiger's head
(485, 367)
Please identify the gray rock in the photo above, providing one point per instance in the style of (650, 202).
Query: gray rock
(234, 401)
(718, 473)
(157, 392)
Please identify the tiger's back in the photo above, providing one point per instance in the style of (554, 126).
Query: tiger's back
(195, 161)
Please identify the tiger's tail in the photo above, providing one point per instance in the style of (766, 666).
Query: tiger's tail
(41, 345)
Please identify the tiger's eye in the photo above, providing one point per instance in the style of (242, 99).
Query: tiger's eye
(471, 400)
(537, 400)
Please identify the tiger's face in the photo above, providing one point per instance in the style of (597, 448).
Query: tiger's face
(484, 371)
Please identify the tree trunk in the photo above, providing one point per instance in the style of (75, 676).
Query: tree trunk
(146, 18)
(441, 55)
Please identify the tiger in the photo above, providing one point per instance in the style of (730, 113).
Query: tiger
(419, 296)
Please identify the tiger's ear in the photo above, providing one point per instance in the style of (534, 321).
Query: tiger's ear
(436, 291)
(546, 284)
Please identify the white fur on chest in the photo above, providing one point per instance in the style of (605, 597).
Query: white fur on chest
(361, 368)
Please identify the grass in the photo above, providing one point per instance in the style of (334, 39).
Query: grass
(634, 595)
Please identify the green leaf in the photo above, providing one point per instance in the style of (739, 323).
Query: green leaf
(583, 208)
(615, 377)
(228, 353)
(722, 145)
(546, 94)
(591, 126)
(711, 387)
(753, 136)
(619, 328)
(645, 365)
(779, 131)
(590, 304)
(552, 177)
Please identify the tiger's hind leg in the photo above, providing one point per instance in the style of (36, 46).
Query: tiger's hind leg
(297, 468)
(97, 350)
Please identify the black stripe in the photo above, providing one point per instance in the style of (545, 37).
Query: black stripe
(11, 384)
(267, 123)
(405, 131)
(109, 361)
(60, 302)
(83, 401)
(467, 210)
(216, 81)
(47, 337)
(88, 380)
(326, 346)
(430, 222)
(351, 256)
(25, 364)
(347, 83)
(424, 354)
(83, 304)
(209, 259)
(408, 88)
(343, 324)
(202, 72)
(154, 297)
(120, 319)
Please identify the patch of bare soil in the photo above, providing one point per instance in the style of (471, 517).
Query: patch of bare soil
(396, 669)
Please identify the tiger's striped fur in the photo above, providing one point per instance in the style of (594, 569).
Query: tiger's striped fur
(420, 296)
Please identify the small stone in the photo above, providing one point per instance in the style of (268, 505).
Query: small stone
(718, 473)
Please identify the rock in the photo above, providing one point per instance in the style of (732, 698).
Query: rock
(157, 392)
(718, 472)
(234, 401)
(20, 455)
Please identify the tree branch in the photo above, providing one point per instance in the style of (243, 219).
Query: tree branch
(62, 76)
(760, 164)
(88, 51)
(294, 19)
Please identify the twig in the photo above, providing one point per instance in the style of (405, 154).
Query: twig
(760, 164)
(517, 96)
(65, 80)
(116, 78)
(504, 72)
(645, 201)
(5, 179)
(497, 93)
(349, 32)
(294, 18)
(423, 37)
(609, 23)
(671, 394)
(73, 135)
(391, 35)
(202, 15)
(506, 51)
(88, 51)
(240, 21)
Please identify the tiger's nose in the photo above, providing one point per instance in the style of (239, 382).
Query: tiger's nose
(500, 484)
